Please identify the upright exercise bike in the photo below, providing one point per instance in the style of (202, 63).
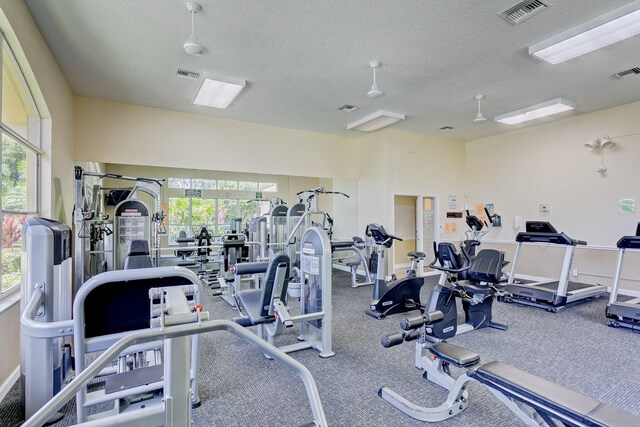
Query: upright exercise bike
(476, 293)
(399, 295)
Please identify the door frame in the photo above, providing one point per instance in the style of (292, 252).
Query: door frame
(419, 225)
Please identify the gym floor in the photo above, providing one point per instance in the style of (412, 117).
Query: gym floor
(240, 387)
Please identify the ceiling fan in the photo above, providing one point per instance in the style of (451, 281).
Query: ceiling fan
(479, 117)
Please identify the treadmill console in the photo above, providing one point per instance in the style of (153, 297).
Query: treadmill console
(638, 229)
(540, 227)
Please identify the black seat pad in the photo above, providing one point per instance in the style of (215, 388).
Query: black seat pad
(455, 355)
(474, 287)
(341, 244)
(416, 255)
(251, 299)
(539, 391)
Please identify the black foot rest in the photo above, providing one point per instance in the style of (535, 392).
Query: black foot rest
(134, 378)
(455, 355)
(186, 264)
(545, 395)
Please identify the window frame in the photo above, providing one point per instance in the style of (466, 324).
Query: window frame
(33, 145)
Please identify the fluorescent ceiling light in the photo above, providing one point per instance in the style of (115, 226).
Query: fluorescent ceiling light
(217, 91)
(376, 121)
(612, 27)
(545, 109)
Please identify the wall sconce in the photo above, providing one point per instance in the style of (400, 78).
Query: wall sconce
(603, 143)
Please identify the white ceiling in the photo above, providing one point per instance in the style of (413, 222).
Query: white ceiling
(303, 59)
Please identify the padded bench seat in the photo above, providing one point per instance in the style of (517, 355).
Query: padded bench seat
(539, 392)
(455, 355)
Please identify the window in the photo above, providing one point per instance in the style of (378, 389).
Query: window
(268, 187)
(20, 131)
(227, 185)
(187, 183)
(190, 214)
(247, 186)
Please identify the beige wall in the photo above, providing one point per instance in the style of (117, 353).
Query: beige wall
(548, 164)
(392, 162)
(55, 103)
(114, 132)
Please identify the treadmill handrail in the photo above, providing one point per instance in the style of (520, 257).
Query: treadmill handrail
(551, 238)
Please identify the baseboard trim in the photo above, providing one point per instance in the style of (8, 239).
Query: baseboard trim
(9, 382)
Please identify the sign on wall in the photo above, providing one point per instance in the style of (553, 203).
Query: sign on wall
(192, 193)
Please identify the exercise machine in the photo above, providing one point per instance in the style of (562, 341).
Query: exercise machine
(267, 307)
(45, 360)
(536, 401)
(399, 295)
(551, 295)
(353, 259)
(477, 292)
(101, 236)
(176, 323)
(624, 314)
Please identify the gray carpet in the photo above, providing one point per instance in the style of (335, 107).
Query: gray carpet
(239, 387)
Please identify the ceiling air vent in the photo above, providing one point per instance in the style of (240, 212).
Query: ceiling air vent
(621, 74)
(524, 10)
(444, 128)
(187, 74)
(347, 108)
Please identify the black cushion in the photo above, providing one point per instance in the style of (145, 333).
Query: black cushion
(416, 255)
(455, 355)
(539, 391)
(487, 266)
(137, 247)
(251, 299)
(137, 261)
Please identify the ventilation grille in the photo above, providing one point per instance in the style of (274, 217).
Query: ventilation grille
(347, 108)
(524, 10)
(187, 74)
(444, 128)
(621, 74)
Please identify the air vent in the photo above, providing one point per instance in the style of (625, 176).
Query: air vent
(444, 128)
(187, 74)
(347, 108)
(621, 74)
(524, 10)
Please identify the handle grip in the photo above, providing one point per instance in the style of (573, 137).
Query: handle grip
(392, 340)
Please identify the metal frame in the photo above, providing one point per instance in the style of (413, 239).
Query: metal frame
(617, 318)
(153, 415)
(83, 345)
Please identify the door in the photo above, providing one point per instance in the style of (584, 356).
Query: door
(404, 227)
(428, 218)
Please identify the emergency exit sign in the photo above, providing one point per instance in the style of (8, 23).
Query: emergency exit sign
(258, 195)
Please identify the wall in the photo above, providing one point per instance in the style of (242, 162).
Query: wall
(392, 162)
(41, 71)
(548, 164)
(114, 132)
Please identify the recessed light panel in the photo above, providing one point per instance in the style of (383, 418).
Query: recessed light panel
(538, 111)
(217, 91)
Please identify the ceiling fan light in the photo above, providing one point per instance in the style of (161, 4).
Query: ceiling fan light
(192, 47)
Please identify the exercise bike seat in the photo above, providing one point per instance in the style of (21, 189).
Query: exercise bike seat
(416, 255)
(455, 355)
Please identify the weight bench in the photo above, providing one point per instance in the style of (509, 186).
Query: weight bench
(536, 401)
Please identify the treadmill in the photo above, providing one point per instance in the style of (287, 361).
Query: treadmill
(624, 314)
(551, 295)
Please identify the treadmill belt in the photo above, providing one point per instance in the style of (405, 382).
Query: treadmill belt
(552, 286)
(571, 286)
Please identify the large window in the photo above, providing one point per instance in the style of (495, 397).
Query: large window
(209, 209)
(190, 214)
(20, 130)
